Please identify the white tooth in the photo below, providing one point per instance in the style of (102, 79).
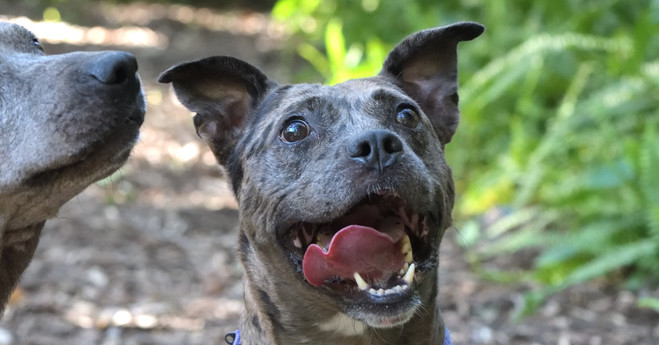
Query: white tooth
(381, 292)
(405, 287)
(372, 291)
(397, 288)
(409, 276)
(361, 283)
(406, 246)
(404, 269)
(297, 243)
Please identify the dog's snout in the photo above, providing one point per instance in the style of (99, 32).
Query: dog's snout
(113, 68)
(376, 149)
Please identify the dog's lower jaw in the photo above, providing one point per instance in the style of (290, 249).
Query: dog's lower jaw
(275, 314)
(424, 328)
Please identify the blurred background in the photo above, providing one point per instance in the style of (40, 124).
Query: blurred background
(556, 161)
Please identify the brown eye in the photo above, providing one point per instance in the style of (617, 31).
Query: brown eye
(408, 117)
(294, 130)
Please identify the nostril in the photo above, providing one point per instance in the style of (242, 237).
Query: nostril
(392, 144)
(113, 68)
(361, 149)
(375, 149)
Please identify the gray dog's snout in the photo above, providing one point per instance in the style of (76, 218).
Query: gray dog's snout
(113, 67)
(376, 149)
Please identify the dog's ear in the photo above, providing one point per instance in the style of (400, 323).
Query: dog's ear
(425, 66)
(222, 91)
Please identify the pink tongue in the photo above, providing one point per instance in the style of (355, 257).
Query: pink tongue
(354, 248)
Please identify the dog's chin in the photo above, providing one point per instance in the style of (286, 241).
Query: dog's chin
(380, 321)
(394, 312)
(370, 260)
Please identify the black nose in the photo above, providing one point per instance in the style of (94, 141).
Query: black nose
(376, 149)
(113, 67)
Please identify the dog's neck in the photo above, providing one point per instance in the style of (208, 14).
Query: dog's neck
(276, 314)
(16, 249)
(19, 237)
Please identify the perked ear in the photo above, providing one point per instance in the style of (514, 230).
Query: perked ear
(222, 91)
(424, 65)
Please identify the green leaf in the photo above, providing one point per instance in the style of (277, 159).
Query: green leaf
(315, 58)
(611, 260)
(336, 49)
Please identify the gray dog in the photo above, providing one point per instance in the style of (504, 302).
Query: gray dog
(344, 191)
(65, 121)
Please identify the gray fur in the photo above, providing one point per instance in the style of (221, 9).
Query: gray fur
(240, 114)
(65, 121)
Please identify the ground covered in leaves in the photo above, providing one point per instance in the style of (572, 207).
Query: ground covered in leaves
(148, 256)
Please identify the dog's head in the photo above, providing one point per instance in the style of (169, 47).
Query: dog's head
(344, 191)
(65, 120)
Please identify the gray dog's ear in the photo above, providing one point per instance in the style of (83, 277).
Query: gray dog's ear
(425, 66)
(222, 91)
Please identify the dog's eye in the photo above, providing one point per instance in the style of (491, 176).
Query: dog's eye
(35, 41)
(408, 117)
(294, 130)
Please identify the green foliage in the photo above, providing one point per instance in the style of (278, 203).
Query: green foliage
(356, 34)
(559, 126)
(649, 302)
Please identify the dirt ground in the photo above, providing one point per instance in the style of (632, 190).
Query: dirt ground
(147, 257)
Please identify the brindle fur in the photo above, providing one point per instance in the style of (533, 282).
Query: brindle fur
(240, 113)
(65, 121)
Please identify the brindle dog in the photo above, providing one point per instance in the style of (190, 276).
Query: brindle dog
(65, 121)
(344, 191)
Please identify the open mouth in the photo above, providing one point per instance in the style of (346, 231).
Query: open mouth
(372, 253)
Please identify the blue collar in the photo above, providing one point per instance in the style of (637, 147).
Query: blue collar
(447, 337)
(234, 338)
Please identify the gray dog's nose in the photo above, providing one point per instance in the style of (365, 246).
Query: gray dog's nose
(376, 149)
(113, 67)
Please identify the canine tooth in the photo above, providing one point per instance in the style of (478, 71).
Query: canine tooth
(409, 276)
(361, 283)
